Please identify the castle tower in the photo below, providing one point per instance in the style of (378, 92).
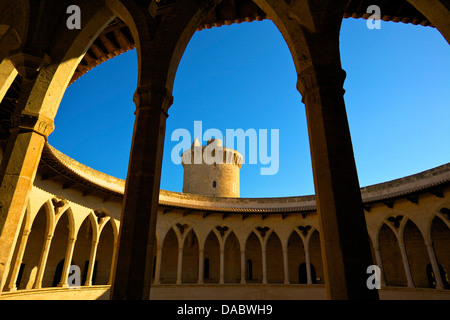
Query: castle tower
(211, 170)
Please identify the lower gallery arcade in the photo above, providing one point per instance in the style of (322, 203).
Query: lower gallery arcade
(264, 248)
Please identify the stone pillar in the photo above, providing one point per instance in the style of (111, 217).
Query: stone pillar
(158, 265)
(308, 266)
(201, 265)
(343, 230)
(286, 266)
(134, 264)
(16, 265)
(42, 262)
(434, 265)
(67, 263)
(20, 160)
(91, 266)
(380, 264)
(243, 281)
(264, 263)
(180, 265)
(222, 266)
(113, 263)
(409, 278)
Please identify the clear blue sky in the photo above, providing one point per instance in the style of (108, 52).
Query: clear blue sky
(242, 76)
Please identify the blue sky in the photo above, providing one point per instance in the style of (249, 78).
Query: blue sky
(242, 76)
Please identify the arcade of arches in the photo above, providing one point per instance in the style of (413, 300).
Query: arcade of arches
(56, 213)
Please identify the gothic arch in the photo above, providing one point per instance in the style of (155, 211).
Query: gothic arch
(274, 259)
(296, 256)
(212, 253)
(391, 256)
(253, 256)
(440, 241)
(190, 258)
(417, 254)
(232, 256)
(169, 257)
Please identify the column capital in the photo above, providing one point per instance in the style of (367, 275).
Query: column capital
(26, 121)
(28, 62)
(153, 97)
(320, 76)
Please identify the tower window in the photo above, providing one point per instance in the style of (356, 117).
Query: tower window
(214, 184)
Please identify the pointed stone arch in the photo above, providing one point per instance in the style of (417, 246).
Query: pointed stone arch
(253, 256)
(440, 242)
(232, 256)
(190, 258)
(87, 237)
(169, 257)
(296, 256)
(274, 259)
(211, 256)
(418, 258)
(394, 273)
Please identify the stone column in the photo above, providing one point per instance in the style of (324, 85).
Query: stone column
(91, 266)
(222, 266)
(42, 262)
(67, 263)
(380, 264)
(264, 263)
(113, 263)
(409, 278)
(343, 230)
(20, 160)
(243, 281)
(201, 265)
(308, 267)
(16, 265)
(134, 264)
(158, 265)
(286, 266)
(180, 265)
(434, 265)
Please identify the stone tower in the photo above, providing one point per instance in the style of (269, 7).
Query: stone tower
(211, 170)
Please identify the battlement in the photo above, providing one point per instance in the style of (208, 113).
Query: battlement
(211, 170)
(212, 153)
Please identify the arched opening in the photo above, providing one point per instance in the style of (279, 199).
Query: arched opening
(83, 246)
(33, 250)
(440, 237)
(394, 272)
(417, 254)
(190, 259)
(212, 253)
(303, 273)
(315, 253)
(254, 254)
(232, 256)
(274, 259)
(58, 249)
(104, 258)
(296, 256)
(169, 258)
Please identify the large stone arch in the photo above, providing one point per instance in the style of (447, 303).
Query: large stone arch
(438, 12)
